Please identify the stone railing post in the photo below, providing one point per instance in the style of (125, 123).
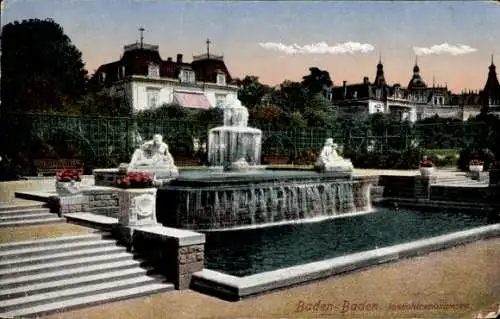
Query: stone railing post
(176, 253)
(422, 186)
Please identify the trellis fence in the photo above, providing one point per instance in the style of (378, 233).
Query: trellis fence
(102, 138)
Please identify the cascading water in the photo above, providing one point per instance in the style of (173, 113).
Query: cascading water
(234, 141)
(251, 205)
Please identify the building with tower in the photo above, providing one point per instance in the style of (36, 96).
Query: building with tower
(490, 96)
(145, 81)
(417, 100)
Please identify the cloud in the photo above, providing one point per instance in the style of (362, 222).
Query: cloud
(445, 48)
(319, 48)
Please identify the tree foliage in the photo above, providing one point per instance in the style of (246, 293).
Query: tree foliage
(317, 81)
(251, 91)
(41, 69)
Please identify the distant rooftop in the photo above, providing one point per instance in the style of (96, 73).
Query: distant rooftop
(206, 56)
(138, 46)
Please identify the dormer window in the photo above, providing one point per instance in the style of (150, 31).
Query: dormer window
(187, 76)
(221, 79)
(153, 70)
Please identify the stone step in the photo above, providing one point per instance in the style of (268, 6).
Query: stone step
(26, 217)
(64, 264)
(22, 212)
(50, 249)
(81, 253)
(112, 275)
(16, 206)
(83, 291)
(32, 222)
(94, 299)
(51, 241)
(13, 282)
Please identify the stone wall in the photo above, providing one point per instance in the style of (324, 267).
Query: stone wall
(460, 194)
(415, 187)
(97, 200)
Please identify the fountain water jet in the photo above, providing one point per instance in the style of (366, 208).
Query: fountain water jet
(234, 146)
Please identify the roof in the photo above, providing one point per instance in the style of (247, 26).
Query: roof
(136, 61)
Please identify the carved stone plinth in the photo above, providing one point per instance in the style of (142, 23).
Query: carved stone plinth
(67, 188)
(137, 207)
(176, 253)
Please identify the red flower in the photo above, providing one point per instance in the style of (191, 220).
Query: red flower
(135, 180)
(426, 163)
(68, 175)
(476, 162)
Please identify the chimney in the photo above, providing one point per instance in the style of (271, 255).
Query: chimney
(179, 58)
(365, 80)
(344, 85)
(169, 59)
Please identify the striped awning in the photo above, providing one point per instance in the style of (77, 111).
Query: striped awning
(192, 100)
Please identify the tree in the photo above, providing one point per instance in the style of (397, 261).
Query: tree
(268, 115)
(41, 68)
(290, 97)
(317, 81)
(251, 91)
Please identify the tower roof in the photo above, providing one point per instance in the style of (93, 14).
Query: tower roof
(380, 77)
(416, 81)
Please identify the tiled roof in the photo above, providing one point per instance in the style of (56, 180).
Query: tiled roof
(137, 61)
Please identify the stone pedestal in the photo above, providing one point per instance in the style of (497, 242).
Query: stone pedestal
(137, 206)
(176, 253)
(67, 188)
(423, 186)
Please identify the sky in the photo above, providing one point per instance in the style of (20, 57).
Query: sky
(280, 40)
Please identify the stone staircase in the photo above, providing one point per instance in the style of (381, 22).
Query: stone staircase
(45, 276)
(458, 179)
(15, 215)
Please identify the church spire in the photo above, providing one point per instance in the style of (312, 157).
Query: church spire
(379, 77)
(416, 69)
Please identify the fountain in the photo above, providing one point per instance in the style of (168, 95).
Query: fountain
(234, 146)
(236, 191)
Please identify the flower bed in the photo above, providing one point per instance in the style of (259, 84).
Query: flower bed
(137, 200)
(68, 182)
(135, 180)
(476, 165)
(426, 167)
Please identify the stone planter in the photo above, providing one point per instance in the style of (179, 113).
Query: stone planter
(137, 206)
(476, 168)
(426, 171)
(67, 188)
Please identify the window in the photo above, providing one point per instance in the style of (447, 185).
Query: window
(121, 72)
(187, 76)
(153, 96)
(220, 100)
(355, 95)
(221, 79)
(379, 93)
(102, 77)
(153, 71)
